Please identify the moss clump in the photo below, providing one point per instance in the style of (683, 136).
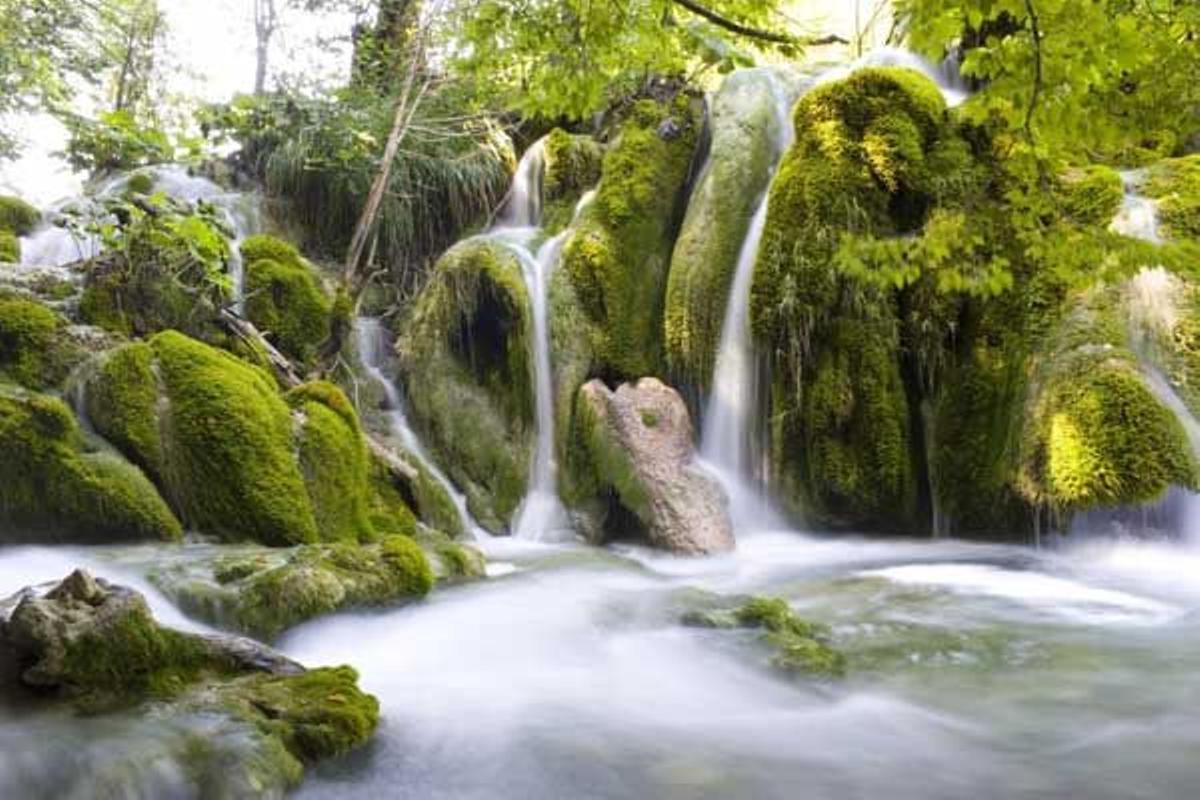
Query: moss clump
(10, 248)
(465, 349)
(800, 648)
(34, 350)
(284, 298)
(318, 714)
(874, 153)
(17, 216)
(141, 302)
(334, 461)
(1096, 435)
(1176, 185)
(572, 168)
(212, 432)
(393, 500)
(1091, 195)
(265, 594)
(619, 255)
(140, 183)
(52, 490)
(746, 136)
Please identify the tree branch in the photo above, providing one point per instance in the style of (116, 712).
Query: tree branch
(1038, 75)
(753, 33)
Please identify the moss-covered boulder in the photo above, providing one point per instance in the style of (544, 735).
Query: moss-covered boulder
(748, 132)
(1096, 434)
(96, 646)
(464, 351)
(1175, 184)
(619, 255)
(797, 647)
(572, 168)
(1091, 195)
(52, 488)
(263, 592)
(10, 248)
(873, 154)
(284, 298)
(36, 349)
(17, 216)
(636, 447)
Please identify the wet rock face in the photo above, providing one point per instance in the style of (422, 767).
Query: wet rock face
(640, 440)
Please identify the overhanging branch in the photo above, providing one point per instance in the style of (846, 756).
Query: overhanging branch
(753, 33)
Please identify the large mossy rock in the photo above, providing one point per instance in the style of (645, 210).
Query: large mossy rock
(619, 254)
(464, 354)
(1175, 184)
(747, 136)
(234, 457)
(636, 446)
(873, 153)
(36, 347)
(1096, 434)
(96, 646)
(53, 489)
(284, 298)
(572, 168)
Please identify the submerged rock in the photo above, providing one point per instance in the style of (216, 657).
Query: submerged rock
(96, 646)
(799, 647)
(639, 442)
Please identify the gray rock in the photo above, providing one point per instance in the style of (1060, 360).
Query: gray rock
(642, 442)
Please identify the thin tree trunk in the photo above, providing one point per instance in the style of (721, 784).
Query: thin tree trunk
(265, 23)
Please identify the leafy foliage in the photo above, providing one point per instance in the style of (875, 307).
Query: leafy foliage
(115, 141)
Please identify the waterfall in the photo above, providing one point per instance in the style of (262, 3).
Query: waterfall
(372, 344)
(1138, 215)
(541, 515)
(727, 443)
(53, 245)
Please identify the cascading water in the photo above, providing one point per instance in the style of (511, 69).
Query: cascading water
(55, 245)
(372, 351)
(541, 515)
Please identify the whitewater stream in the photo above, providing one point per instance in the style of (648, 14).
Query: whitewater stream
(981, 671)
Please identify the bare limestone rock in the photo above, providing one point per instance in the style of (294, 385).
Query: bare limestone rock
(640, 444)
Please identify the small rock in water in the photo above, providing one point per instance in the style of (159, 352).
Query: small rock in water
(669, 130)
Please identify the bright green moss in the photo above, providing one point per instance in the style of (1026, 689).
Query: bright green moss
(390, 509)
(800, 647)
(745, 138)
(334, 461)
(51, 490)
(1096, 435)
(285, 301)
(465, 351)
(33, 350)
(1091, 195)
(18, 217)
(1176, 186)
(10, 248)
(619, 255)
(572, 168)
(140, 183)
(122, 402)
(141, 303)
(318, 714)
(268, 248)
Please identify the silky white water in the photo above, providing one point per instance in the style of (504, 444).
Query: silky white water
(372, 341)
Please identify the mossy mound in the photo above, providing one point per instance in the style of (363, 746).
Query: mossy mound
(1091, 195)
(10, 248)
(747, 135)
(211, 431)
(465, 350)
(263, 594)
(97, 647)
(52, 489)
(798, 647)
(1175, 183)
(334, 462)
(1096, 435)
(874, 153)
(619, 255)
(35, 350)
(284, 298)
(17, 216)
(572, 168)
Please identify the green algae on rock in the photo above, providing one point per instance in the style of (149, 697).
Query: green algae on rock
(53, 489)
(35, 349)
(18, 217)
(799, 647)
(284, 298)
(466, 346)
(96, 646)
(572, 168)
